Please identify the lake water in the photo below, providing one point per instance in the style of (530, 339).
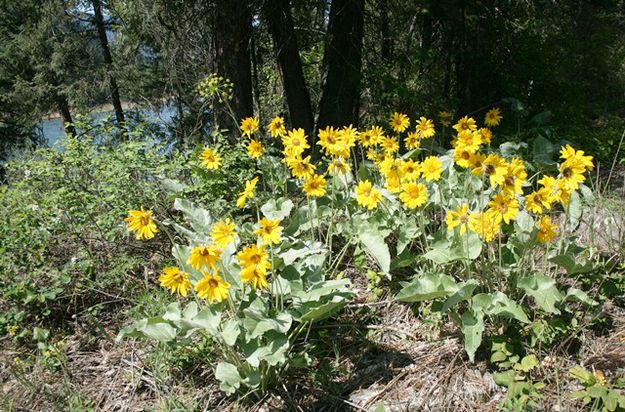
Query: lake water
(53, 131)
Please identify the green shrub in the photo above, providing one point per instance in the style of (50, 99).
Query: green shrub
(63, 247)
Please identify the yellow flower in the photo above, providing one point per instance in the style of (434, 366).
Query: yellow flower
(412, 140)
(175, 280)
(373, 155)
(504, 208)
(458, 217)
(255, 149)
(141, 221)
(247, 193)
(210, 159)
(338, 167)
(254, 262)
(270, 231)
(295, 142)
(546, 230)
(367, 195)
(390, 145)
(425, 127)
(493, 117)
(223, 233)
(377, 134)
(392, 169)
(301, 168)
(276, 127)
(204, 256)
(485, 134)
(462, 157)
(249, 125)
(494, 167)
(572, 174)
(212, 288)
(254, 255)
(469, 140)
(255, 277)
(515, 178)
(315, 186)
(413, 195)
(371, 137)
(411, 170)
(399, 122)
(431, 168)
(576, 157)
(329, 140)
(536, 201)
(485, 224)
(466, 123)
(444, 118)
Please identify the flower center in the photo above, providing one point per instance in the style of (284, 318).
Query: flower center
(212, 282)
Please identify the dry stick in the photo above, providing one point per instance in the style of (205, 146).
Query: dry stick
(388, 385)
(618, 149)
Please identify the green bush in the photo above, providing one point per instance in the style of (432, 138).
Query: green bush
(63, 244)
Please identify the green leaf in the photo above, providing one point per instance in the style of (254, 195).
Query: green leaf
(273, 352)
(302, 250)
(315, 311)
(228, 376)
(257, 324)
(277, 209)
(543, 150)
(468, 246)
(544, 291)
(528, 363)
(573, 261)
(199, 219)
(40, 334)
(230, 331)
(427, 287)
(156, 328)
(574, 209)
(580, 296)
(472, 329)
(502, 305)
(373, 243)
(505, 378)
(464, 293)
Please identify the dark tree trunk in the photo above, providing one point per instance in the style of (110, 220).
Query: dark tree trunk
(66, 115)
(108, 59)
(280, 22)
(340, 94)
(386, 49)
(233, 30)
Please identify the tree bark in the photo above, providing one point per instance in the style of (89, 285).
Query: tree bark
(280, 22)
(340, 95)
(108, 59)
(232, 34)
(66, 115)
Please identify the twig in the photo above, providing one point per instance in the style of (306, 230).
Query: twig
(371, 304)
(618, 149)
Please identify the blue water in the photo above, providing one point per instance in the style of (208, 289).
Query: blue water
(53, 132)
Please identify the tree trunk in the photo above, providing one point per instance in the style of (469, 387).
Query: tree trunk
(340, 95)
(386, 49)
(233, 29)
(66, 115)
(108, 59)
(280, 22)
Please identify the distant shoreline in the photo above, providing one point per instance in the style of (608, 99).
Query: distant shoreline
(105, 107)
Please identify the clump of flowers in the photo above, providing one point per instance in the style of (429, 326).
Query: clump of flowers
(467, 219)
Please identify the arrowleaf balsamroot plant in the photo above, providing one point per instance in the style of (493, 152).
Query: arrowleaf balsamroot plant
(478, 230)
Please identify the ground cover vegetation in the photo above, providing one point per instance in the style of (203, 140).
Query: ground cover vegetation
(355, 205)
